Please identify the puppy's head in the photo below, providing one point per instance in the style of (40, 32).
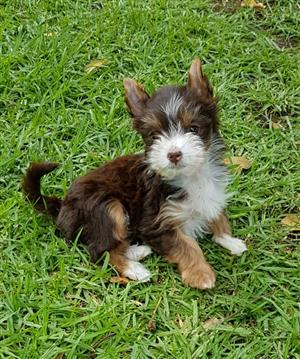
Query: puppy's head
(177, 123)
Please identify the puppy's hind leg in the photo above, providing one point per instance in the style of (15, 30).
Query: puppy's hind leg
(113, 237)
(138, 252)
(127, 267)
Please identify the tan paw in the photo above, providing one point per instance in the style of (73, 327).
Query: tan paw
(201, 279)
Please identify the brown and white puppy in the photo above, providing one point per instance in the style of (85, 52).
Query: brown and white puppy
(165, 197)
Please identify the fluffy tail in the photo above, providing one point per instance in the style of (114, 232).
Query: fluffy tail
(32, 188)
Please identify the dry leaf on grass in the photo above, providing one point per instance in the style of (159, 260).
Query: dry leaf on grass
(152, 325)
(212, 323)
(217, 323)
(276, 125)
(253, 4)
(242, 162)
(292, 221)
(94, 65)
(119, 280)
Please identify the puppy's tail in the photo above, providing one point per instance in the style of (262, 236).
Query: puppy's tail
(32, 188)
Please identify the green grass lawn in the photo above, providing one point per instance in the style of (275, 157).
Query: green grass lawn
(54, 302)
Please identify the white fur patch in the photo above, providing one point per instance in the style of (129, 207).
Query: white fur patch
(235, 245)
(137, 271)
(172, 107)
(190, 145)
(206, 197)
(136, 252)
(200, 175)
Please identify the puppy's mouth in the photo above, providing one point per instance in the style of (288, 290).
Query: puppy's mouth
(176, 165)
(172, 170)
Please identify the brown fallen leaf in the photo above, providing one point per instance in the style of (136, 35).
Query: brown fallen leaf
(292, 221)
(253, 4)
(152, 325)
(242, 162)
(119, 280)
(94, 65)
(276, 125)
(212, 323)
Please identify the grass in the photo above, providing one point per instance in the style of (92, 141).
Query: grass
(54, 302)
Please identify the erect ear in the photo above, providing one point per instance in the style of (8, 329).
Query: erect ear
(198, 82)
(135, 97)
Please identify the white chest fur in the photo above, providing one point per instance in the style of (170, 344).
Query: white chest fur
(206, 198)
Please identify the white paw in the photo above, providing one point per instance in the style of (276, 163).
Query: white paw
(235, 245)
(136, 252)
(136, 271)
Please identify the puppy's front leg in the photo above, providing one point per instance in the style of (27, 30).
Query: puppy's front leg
(178, 248)
(222, 235)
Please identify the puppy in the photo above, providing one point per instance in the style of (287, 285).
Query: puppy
(165, 197)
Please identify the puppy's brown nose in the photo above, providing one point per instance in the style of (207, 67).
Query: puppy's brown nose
(175, 157)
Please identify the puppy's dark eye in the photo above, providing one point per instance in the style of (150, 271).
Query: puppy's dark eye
(194, 129)
(154, 136)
